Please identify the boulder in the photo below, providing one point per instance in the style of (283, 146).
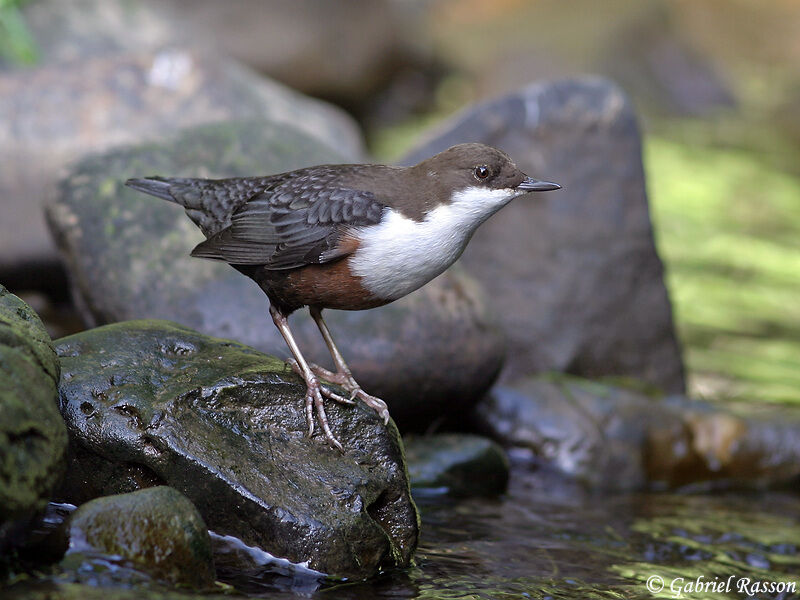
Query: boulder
(573, 275)
(457, 464)
(33, 439)
(150, 402)
(157, 530)
(431, 353)
(621, 438)
(342, 50)
(57, 113)
(376, 41)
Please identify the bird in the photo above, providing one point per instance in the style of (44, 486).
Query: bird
(347, 237)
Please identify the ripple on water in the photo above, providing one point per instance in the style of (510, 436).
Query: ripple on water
(547, 538)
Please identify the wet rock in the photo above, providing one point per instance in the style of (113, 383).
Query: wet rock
(456, 464)
(747, 445)
(130, 98)
(594, 433)
(430, 353)
(618, 438)
(573, 275)
(152, 402)
(33, 438)
(157, 529)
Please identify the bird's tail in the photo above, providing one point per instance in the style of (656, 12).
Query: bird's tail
(155, 186)
(207, 202)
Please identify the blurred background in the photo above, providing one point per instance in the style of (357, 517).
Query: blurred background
(716, 84)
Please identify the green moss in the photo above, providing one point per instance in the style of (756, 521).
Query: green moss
(726, 226)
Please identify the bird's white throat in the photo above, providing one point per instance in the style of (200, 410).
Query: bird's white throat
(400, 255)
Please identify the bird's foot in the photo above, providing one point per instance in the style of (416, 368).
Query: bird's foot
(346, 381)
(315, 405)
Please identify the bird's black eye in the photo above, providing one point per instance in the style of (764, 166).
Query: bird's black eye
(482, 172)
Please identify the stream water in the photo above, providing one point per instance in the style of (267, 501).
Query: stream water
(550, 539)
(545, 538)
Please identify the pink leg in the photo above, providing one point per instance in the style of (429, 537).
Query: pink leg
(343, 376)
(314, 391)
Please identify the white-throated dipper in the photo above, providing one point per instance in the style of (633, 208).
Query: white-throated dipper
(349, 237)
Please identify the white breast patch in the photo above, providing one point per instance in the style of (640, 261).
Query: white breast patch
(401, 255)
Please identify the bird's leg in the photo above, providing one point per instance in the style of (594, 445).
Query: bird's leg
(314, 391)
(343, 376)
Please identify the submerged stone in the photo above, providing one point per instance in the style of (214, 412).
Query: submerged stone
(33, 438)
(620, 438)
(150, 402)
(157, 529)
(457, 464)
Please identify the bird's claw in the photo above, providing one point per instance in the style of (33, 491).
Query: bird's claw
(314, 403)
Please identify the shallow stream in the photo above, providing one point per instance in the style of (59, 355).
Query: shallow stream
(550, 539)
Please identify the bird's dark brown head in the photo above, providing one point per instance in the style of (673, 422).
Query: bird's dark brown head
(479, 166)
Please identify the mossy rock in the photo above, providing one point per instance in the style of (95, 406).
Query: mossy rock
(157, 529)
(33, 438)
(151, 402)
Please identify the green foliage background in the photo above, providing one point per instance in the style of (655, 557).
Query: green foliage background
(16, 44)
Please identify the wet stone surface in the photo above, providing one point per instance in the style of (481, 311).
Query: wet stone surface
(612, 437)
(33, 438)
(157, 530)
(457, 464)
(150, 402)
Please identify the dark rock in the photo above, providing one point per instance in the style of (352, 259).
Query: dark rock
(457, 464)
(591, 432)
(130, 98)
(617, 438)
(157, 529)
(433, 352)
(152, 402)
(33, 438)
(573, 274)
(750, 445)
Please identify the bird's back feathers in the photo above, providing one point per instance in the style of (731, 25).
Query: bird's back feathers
(282, 222)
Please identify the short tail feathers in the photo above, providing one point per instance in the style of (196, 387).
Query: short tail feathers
(208, 202)
(155, 186)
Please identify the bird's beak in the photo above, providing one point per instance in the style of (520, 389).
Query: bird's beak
(529, 184)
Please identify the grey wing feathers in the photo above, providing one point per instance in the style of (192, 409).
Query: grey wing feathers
(298, 222)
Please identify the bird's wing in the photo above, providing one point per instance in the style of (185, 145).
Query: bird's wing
(303, 220)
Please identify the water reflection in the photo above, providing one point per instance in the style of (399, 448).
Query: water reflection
(551, 539)
(547, 538)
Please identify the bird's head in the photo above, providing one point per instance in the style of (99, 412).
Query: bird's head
(481, 176)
